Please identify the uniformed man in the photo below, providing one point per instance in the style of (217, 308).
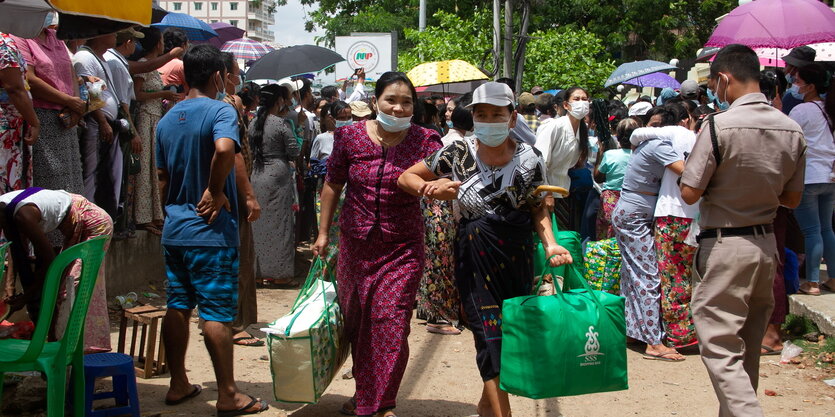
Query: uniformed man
(753, 164)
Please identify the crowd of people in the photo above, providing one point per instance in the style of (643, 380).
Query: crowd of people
(418, 201)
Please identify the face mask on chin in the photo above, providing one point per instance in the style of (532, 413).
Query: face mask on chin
(393, 124)
(221, 92)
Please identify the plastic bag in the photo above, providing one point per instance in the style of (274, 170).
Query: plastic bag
(790, 351)
(95, 99)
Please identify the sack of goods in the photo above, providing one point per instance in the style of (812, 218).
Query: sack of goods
(570, 343)
(307, 346)
(602, 265)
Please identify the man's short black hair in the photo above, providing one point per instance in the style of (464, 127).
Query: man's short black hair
(307, 87)
(200, 62)
(173, 38)
(329, 92)
(738, 60)
(669, 116)
(510, 83)
(462, 118)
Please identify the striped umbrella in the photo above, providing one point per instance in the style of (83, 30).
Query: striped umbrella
(246, 49)
(195, 29)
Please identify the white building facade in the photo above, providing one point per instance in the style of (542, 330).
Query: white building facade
(253, 16)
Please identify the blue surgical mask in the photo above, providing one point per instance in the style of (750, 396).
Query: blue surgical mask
(221, 93)
(48, 19)
(491, 134)
(240, 85)
(449, 124)
(393, 124)
(723, 104)
(711, 97)
(794, 90)
(592, 132)
(342, 123)
(789, 78)
(295, 103)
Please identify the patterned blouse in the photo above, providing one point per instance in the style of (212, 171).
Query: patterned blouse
(373, 198)
(10, 57)
(486, 190)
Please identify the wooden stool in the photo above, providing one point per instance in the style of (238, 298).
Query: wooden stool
(150, 361)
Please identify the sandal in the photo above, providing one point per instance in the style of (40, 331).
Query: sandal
(197, 390)
(262, 406)
(828, 285)
(444, 330)
(256, 343)
(808, 290)
(662, 357)
(769, 351)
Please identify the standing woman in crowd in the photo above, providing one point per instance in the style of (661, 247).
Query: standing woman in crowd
(564, 142)
(381, 250)
(814, 214)
(274, 147)
(494, 179)
(147, 208)
(633, 219)
(610, 169)
(438, 300)
(250, 95)
(19, 126)
(56, 158)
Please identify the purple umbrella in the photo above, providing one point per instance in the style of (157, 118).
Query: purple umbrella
(776, 24)
(225, 33)
(656, 79)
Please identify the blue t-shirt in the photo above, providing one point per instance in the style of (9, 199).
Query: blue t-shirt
(647, 165)
(185, 148)
(614, 165)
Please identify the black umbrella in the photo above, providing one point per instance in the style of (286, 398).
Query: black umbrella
(292, 60)
(157, 13)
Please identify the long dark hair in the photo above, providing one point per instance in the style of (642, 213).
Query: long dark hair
(269, 96)
(816, 75)
(584, 129)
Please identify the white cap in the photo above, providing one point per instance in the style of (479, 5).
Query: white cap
(640, 108)
(290, 84)
(497, 94)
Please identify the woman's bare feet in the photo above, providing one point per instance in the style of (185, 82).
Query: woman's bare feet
(663, 353)
(771, 344)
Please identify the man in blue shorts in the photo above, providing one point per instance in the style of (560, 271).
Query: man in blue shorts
(196, 145)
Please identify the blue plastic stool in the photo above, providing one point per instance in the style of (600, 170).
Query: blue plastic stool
(120, 367)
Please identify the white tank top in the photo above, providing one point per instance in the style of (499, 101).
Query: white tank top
(53, 205)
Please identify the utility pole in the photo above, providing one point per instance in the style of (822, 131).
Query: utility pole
(497, 33)
(508, 39)
(422, 18)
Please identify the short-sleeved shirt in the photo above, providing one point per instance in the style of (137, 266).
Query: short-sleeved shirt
(88, 64)
(373, 199)
(614, 165)
(173, 72)
(647, 166)
(559, 145)
(53, 204)
(820, 151)
(121, 76)
(50, 62)
(322, 146)
(186, 138)
(10, 57)
(487, 190)
(762, 155)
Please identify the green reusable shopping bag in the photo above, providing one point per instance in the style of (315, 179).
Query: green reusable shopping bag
(307, 346)
(567, 239)
(570, 343)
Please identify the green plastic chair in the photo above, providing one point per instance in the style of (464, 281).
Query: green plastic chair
(52, 358)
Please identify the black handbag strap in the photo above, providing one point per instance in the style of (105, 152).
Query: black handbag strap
(714, 140)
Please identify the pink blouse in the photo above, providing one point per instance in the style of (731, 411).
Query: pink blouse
(51, 62)
(370, 171)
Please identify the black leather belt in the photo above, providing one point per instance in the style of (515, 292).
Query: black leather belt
(736, 231)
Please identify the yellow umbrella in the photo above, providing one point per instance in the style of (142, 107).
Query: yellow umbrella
(133, 11)
(444, 72)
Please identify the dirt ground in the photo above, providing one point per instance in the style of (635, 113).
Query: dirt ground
(442, 380)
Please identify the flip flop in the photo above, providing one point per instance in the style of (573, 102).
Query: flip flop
(662, 357)
(810, 291)
(243, 410)
(197, 390)
(442, 330)
(770, 351)
(238, 339)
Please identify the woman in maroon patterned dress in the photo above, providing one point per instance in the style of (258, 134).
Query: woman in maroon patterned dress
(381, 246)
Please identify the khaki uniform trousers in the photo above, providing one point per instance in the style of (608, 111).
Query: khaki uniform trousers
(732, 303)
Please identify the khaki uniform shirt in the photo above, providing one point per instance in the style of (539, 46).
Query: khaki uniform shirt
(763, 155)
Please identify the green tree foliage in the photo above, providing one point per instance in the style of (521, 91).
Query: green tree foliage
(453, 38)
(564, 58)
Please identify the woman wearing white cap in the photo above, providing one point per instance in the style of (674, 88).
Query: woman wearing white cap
(493, 178)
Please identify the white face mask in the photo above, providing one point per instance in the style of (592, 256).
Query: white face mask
(579, 109)
(491, 134)
(341, 123)
(393, 124)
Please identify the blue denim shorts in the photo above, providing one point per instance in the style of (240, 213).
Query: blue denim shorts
(206, 277)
